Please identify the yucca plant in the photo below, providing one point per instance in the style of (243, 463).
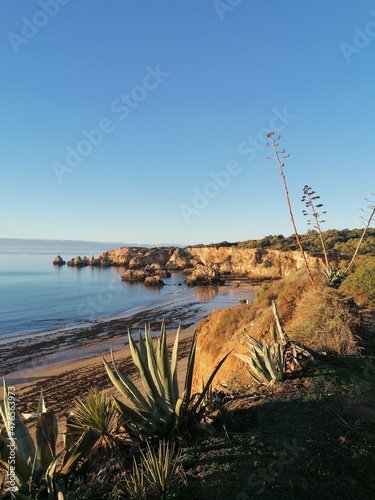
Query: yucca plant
(162, 409)
(33, 464)
(266, 362)
(97, 411)
(155, 472)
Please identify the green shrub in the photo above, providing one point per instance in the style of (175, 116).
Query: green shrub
(361, 282)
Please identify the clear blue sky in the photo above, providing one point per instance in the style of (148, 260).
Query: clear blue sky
(117, 116)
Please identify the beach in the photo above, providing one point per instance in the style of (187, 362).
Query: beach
(65, 364)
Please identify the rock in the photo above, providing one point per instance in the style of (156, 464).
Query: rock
(58, 261)
(78, 262)
(94, 262)
(134, 275)
(154, 281)
(106, 263)
(204, 275)
(156, 269)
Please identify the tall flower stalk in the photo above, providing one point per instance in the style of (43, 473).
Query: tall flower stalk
(273, 144)
(367, 225)
(309, 198)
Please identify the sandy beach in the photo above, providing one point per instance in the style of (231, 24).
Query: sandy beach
(67, 363)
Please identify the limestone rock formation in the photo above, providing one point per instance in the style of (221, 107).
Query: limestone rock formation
(204, 275)
(134, 275)
(154, 281)
(58, 261)
(78, 262)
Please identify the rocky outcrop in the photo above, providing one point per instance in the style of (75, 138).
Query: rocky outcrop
(78, 262)
(58, 261)
(204, 275)
(134, 275)
(202, 264)
(154, 281)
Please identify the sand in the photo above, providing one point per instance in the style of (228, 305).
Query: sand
(65, 364)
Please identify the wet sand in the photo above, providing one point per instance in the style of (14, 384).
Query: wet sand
(65, 364)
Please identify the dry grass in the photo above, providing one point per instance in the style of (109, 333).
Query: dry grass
(325, 321)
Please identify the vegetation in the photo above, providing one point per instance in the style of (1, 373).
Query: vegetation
(163, 410)
(266, 362)
(33, 468)
(154, 475)
(295, 430)
(361, 282)
(280, 156)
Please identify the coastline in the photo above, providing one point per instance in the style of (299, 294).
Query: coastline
(57, 357)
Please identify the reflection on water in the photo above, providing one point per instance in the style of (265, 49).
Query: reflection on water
(205, 293)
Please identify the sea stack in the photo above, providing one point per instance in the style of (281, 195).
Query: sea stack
(58, 261)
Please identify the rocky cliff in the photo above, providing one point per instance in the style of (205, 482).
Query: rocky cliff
(248, 263)
(203, 265)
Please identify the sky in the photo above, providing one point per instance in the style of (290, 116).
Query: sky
(146, 120)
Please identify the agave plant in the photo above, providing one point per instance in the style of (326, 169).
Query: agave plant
(32, 465)
(266, 361)
(162, 409)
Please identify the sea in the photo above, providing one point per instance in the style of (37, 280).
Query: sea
(36, 296)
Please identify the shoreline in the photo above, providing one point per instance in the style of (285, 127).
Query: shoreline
(23, 356)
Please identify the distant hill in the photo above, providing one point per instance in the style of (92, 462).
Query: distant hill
(13, 244)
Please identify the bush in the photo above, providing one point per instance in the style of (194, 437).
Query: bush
(361, 282)
(324, 320)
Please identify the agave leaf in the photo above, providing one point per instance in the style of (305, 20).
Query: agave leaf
(254, 343)
(142, 423)
(165, 370)
(22, 469)
(151, 360)
(126, 387)
(146, 377)
(174, 364)
(262, 377)
(269, 362)
(189, 376)
(281, 361)
(46, 436)
(255, 378)
(16, 428)
(259, 361)
(41, 405)
(243, 357)
(208, 383)
(79, 451)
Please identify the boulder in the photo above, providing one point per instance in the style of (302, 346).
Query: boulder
(134, 275)
(204, 275)
(78, 262)
(58, 261)
(93, 261)
(156, 269)
(154, 281)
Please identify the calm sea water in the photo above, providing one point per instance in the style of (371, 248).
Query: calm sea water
(36, 296)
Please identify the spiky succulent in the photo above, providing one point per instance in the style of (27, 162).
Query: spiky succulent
(266, 361)
(161, 408)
